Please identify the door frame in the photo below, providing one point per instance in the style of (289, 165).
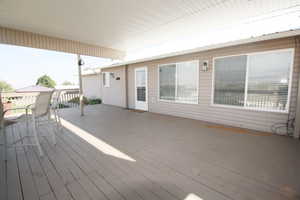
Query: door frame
(146, 86)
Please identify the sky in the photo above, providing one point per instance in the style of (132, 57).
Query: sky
(22, 66)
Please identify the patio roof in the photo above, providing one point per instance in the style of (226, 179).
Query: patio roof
(29, 39)
(138, 26)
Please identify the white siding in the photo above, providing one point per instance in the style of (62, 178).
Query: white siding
(116, 92)
(92, 86)
(257, 120)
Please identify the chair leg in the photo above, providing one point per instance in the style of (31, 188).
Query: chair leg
(58, 120)
(52, 132)
(36, 136)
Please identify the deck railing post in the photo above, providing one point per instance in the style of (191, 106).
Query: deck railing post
(80, 85)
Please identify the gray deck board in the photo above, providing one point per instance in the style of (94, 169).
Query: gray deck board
(168, 165)
(40, 179)
(13, 179)
(150, 192)
(29, 188)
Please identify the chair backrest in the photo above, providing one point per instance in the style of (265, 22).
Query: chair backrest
(56, 98)
(42, 103)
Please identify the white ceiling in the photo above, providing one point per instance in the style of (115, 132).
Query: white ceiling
(138, 26)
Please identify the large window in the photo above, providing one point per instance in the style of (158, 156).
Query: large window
(179, 82)
(259, 81)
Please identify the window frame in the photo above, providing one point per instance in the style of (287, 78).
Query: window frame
(107, 79)
(291, 68)
(177, 101)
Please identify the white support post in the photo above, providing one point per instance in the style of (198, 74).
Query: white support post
(80, 86)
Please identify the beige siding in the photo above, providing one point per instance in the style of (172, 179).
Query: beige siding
(115, 93)
(257, 120)
(92, 86)
(27, 39)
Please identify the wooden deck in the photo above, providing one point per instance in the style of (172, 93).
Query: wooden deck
(116, 154)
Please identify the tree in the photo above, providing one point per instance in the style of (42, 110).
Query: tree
(6, 87)
(67, 83)
(46, 81)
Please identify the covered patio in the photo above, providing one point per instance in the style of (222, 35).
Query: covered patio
(114, 153)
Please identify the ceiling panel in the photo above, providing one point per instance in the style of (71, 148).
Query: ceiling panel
(132, 25)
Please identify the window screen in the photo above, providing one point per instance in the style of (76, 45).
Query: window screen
(141, 93)
(179, 82)
(230, 74)
(259, 81)
(187, 82)
(268, 80)
(167, 82)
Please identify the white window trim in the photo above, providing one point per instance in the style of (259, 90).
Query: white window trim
(292, 50)
(107, 79)
(177, 101)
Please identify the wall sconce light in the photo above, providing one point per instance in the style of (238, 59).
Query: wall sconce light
(205, 66)
(80, 62)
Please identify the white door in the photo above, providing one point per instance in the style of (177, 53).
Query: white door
(141, 91)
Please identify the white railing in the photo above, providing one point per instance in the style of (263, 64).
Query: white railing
(68, 98)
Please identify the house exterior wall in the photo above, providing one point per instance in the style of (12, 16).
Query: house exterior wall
(92, 86)
(115, 94)
(257, 120)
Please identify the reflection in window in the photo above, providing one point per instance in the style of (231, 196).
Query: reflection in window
(268, 80)
(167, 82)
(259, 81)
(230, 74)
(179, 82)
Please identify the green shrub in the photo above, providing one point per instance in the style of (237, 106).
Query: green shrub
(76, 100)
(86, 101)
(61, 105)
(95, 101)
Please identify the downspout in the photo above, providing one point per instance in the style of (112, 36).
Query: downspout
(79, 62)
(126, 87)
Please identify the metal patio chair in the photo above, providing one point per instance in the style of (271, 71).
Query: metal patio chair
(38, 114)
